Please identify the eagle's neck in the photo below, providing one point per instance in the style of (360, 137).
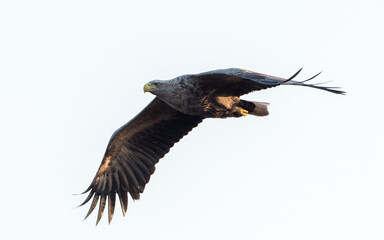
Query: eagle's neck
(181, 93)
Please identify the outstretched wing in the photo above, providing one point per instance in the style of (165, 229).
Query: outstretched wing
(236, 81)
(132, 153)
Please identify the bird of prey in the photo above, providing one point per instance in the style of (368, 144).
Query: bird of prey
(179, 106)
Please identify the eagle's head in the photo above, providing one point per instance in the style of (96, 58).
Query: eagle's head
(153, 86)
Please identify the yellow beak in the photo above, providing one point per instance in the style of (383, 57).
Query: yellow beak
(149, 87)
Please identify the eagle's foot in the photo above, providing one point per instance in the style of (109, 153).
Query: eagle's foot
(241, 111)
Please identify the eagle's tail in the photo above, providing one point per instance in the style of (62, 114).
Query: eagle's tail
(255, 108)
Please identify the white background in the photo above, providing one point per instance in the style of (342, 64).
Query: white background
(72, 72)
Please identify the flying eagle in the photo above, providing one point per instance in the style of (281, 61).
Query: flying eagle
(179, 106)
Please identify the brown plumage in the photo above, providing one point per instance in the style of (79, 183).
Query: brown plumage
(181, 104)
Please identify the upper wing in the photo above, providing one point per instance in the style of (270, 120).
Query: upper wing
(236, 81)
(132, 153)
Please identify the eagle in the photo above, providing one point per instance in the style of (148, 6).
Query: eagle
(180, 105)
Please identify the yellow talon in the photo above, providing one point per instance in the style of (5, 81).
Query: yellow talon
(242, 111)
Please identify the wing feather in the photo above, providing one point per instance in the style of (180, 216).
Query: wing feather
(93, 205)
(101, 208)
(111, 206)
(123, 197)
(132, 153)
(236, 81)
(108, 185)
(116, 182)
(90, 195)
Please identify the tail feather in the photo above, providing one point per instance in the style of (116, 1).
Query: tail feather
(261, 109)
(255, 108)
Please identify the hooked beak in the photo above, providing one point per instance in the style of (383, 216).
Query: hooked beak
(149, 87)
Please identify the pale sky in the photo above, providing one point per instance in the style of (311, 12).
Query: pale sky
(72, 72)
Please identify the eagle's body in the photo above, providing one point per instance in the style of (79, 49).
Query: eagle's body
(180, 105)
(191, 95)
